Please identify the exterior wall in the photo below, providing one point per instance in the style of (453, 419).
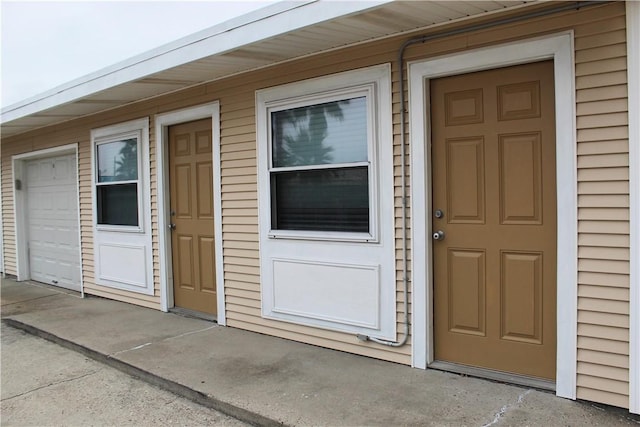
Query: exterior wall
(603, 200)
(76, 132)
(603, 210)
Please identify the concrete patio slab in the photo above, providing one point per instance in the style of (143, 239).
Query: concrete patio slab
(267, 380)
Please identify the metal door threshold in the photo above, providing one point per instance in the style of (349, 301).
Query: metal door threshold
(490, 374)
(184, 312)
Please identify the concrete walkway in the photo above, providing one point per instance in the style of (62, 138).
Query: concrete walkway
(268, 381)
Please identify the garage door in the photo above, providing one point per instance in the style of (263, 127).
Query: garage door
(52, 221)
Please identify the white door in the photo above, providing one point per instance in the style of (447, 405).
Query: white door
(52, 221)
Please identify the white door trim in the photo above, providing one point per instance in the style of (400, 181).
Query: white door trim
(560, 48)
(633, 70)
(20, 211)
(162, 123)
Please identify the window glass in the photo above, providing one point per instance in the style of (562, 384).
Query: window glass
(321, 200)
(319, 134)
(117, 204)
(118, 161)
(117, 182)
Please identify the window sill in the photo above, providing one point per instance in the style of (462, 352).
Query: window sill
(330, 236)
(120, 228)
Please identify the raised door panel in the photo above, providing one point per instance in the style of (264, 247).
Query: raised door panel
(206, 250)
(521, 297)
(183, 194)
(463, 107)
(465, 180)
(204, 184)
(185, 271)
(520, 178)
(519, 101)
(467, 293)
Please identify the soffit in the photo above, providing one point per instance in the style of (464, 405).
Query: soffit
(111, 87)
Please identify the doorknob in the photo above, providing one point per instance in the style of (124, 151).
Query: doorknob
(438, 235)
(171, 226)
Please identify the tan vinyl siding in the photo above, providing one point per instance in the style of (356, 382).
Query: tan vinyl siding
(603, 210)
(8, 228)
(603, 199)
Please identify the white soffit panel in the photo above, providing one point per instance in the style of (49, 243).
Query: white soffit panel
(271, 35)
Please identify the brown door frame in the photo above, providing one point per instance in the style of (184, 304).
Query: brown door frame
(162, 123)
(558, 47)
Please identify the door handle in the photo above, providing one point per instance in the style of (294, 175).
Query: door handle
(171, 226)
(438, 235)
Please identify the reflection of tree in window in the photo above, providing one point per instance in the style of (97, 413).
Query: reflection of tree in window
(117, 189)
(307, 195)
(126, 165)
(299, 134)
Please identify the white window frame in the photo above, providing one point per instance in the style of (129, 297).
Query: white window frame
(112, 241)
(110, 138)
(348, 263)
(365, 84)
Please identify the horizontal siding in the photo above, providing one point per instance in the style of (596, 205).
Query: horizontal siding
(6, 210)
(585, 392)
(603, 175)
(603, 211)
(120, 295)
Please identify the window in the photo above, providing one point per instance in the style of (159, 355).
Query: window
(326, 202)
(320, 167)
(321, 142)
(117, 182)
(122, 242)
(118, 177)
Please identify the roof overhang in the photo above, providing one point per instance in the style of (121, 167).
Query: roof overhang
(271, 35)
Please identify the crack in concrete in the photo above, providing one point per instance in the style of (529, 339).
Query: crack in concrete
(51, 385)
(506, 408)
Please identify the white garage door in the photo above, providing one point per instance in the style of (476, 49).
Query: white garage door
(52, 221)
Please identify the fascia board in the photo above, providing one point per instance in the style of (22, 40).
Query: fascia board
(265, 23)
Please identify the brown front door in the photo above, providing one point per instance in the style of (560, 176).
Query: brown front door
(493, 163)
(192, 239)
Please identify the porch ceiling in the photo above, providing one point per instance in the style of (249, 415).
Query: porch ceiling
(268, 36)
